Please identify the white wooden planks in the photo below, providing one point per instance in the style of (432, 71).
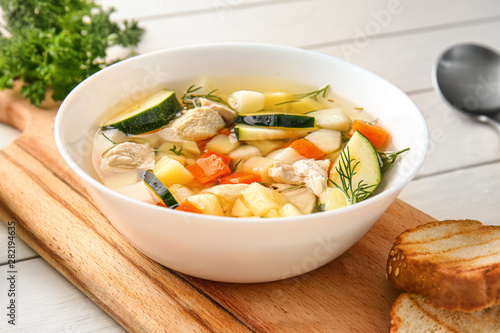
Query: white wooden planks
(47, 302)
(308, 23)
(471, 193)
(407, 59)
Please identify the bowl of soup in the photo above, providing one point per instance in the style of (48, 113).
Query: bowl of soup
(241, 162)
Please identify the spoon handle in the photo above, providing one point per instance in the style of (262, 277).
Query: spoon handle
(492, 121)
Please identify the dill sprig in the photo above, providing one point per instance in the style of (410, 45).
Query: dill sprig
(346, 170)
(176, 152)
(268, 185)
(235, 165)
(313, 94)
(291, 188)
(387, 159)
(189, 96)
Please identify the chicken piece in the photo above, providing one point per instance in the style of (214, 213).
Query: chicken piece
(198, 124)
(284, 173)
(127, 156)
(313, 173)
(225, 112)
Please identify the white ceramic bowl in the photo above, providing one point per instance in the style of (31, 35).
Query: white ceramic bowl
(232, 249)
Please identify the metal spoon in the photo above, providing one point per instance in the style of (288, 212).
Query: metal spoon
(468, 77)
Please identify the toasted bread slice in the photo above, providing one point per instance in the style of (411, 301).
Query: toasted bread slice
(455, 264)
(413, 313)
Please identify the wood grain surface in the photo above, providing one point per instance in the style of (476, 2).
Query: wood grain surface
(58, 219)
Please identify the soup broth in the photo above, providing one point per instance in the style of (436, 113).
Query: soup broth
(245, 147)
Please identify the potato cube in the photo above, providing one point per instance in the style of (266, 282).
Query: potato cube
(306, 104)
(260, 166)
(222, 144)
(276, 100)
(245, 101)
(181, 159)
(170, 171)
(272, 213)
(268, 146)
(288, 156)
(191, 147)
(207, 203)
(240, 209)
(260, 199)
(333, 198)
(289, 209)
(244, 153)
(325, 139)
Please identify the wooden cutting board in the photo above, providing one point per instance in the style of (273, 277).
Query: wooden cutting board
(58, 219)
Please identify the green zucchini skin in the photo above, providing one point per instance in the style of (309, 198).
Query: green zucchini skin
(161, 190)
(150, 119)
(276, 120)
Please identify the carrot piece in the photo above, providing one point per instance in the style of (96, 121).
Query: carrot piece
(225, 131)
(202, 144)
(376, 134)
(240, 178)
(210, 166)
(186, 206)
(307, 148)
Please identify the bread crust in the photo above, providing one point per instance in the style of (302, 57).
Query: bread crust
(464, 285)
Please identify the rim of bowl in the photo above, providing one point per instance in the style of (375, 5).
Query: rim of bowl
(344, 210)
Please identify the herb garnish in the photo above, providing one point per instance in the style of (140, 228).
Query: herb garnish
(188, 97)
(267, 185)
(291, 188)
(104, 135)
(345, 137)
(50, 44)
(388, 158)
(313, 94)
(176, 152)
(235, 165)
(346, 170)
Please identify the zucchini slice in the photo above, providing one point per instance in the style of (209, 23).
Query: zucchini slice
(247, 132)
(149, 114)
(364, 164)
(160, 190)
(276, 120)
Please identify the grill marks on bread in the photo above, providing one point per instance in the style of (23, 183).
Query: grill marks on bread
(463, 246)
(456, 263)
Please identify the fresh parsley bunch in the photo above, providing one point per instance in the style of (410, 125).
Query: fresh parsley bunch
(57, 44)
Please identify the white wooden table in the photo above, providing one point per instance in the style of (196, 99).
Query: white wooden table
(399, 40)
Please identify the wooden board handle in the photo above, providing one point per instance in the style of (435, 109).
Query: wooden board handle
(13, 112)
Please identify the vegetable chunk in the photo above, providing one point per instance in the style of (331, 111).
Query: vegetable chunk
(170, 171)
(146, 115)
(376, 134)
(260, 199)
(206, 203)
(210, 167)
